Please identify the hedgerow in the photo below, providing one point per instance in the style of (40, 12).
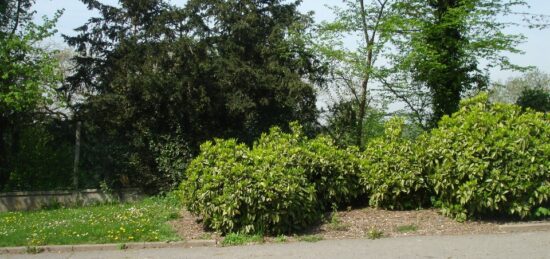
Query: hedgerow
(486, 159)
(333, 171)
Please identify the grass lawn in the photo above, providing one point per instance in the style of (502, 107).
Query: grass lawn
(111, 223)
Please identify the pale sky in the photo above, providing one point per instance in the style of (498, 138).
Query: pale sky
(537, 46)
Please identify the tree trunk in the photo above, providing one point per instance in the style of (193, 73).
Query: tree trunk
(364, 84)
(362, 111)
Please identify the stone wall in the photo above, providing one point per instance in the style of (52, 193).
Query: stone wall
(14, 201)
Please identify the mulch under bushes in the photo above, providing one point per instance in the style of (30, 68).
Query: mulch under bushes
(357, 223)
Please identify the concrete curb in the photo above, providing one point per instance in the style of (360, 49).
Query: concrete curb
(525, 227)
(508, 228)
(101, 247)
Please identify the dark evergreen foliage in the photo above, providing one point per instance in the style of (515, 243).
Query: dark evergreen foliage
(537, 99)
(209, 69)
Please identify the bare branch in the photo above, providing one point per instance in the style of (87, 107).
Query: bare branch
(378, 18)
(417, 113)
(17, 17)
(349, 83)
(364, 20)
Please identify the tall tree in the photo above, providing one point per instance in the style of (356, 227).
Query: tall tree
(444, 42)
(209, 69)
(259, 61)
(354, 71)
(27, 77)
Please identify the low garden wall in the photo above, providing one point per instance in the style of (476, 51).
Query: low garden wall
(15, 201)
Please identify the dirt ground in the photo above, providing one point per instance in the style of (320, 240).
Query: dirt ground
(357, 223)
(189, 227)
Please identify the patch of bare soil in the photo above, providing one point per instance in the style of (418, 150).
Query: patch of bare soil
(190, 227)
(357, 223)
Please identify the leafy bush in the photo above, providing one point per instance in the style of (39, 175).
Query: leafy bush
(235, 189)
(172, 156)
(491, 159)
(278, 186)
(333, 171)
(393, 171)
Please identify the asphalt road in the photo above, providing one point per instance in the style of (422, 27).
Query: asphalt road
(512, 245)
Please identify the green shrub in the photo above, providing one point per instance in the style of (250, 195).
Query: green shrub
(333, 171)
(491, 159)
(280, 185)
(42, 160)
(393, 171)
(235, 189)
(172, 155)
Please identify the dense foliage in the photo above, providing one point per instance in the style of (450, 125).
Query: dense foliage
(537, 99)
(27, 80)
(207, 69)
(235, 189)
(445, 43)
(491, 159)
(333, 171)
(281, 184)
(486, 159)
(150, 81)
(394, 173)
(172, 156)
(43, 159)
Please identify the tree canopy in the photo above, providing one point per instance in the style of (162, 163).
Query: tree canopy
(443, 42)
(27, 76)
(208, 69)
(145, 82)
